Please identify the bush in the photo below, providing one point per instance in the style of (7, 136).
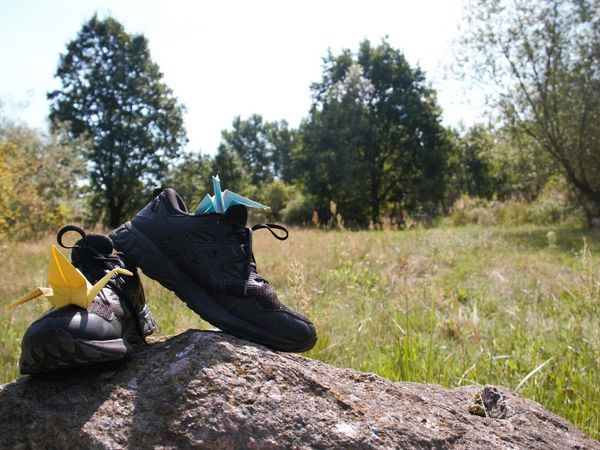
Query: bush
(276, 195)
(38, 183)
(554, 205)
(298, 211)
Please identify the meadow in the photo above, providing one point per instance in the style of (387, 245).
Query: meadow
(515, 306)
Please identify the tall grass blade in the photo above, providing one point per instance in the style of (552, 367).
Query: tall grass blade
(533, 372)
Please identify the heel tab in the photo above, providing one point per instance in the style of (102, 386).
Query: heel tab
(173, 201)
(156, 191)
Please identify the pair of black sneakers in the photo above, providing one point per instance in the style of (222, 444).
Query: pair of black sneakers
(206, 259)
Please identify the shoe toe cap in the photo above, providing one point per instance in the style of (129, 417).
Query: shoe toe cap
(296, 333)
(77, 322)
(280, 329)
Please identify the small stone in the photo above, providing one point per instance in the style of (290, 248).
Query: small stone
(185, 351)
(133, 384)
(477, 408)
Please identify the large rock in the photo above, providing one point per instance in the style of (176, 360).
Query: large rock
(210, 390)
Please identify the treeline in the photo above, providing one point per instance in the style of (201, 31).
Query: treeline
(43, 179)
(371, 149)
(297, 179)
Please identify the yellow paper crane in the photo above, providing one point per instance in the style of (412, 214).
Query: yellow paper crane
(68, 286)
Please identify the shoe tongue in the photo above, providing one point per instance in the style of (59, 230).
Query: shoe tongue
(98, 242)
(237, 214)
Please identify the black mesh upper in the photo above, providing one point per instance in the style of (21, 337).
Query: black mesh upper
(267, 299)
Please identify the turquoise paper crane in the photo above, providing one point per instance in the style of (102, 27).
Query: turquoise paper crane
(221, 200)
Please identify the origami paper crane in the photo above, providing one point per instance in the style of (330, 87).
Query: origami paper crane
(68, 286)
(221, 200)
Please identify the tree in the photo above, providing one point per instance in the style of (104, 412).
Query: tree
(228, 164)
(472, 174)
(265, 148)
(540, 60)
(191, 175)
(248, 138)
(113, 94)
(38, 182)
(283, 142)
(518, 166)
(497, 163)
(373, 140)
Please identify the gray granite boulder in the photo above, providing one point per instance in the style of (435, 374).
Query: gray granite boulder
(206, 389)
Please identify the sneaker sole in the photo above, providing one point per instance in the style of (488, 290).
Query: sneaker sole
(156, 265)
(55, 349)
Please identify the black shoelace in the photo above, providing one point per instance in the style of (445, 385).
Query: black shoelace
(244, 236)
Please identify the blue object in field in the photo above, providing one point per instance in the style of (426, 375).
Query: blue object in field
(221, 200)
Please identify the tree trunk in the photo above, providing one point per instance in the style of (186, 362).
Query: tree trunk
(374, 200)
(115, 214)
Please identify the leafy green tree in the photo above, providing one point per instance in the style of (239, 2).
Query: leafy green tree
(265, 148)
(248, 138)
(497, 163)
(474, 174)
(283, 142)
(373, 140)
(191, 176)
(113, 94)
(518, 166)
(230, 167)
(539, 60)
(39, 182)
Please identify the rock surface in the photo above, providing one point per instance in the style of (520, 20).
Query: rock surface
(210, 390)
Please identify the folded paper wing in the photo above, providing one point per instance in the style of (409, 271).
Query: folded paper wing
(205, 206)
(68, 286)
(37, 292)
(222, 200)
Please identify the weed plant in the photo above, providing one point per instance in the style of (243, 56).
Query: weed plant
(514, 306)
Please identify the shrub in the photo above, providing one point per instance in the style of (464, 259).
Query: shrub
(38, 183)
(298, 211)
(554, 205)
(276, 195)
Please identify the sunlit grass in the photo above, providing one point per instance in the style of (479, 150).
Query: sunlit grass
(453, 306)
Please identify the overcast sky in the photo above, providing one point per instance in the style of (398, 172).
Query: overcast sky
(230, 58)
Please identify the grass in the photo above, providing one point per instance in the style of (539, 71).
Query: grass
(454, 306)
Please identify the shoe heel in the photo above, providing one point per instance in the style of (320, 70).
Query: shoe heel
(147, 326)
(143, 253)
(133, 246)
(124, 240)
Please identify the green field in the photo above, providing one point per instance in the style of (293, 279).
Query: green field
(452, 306)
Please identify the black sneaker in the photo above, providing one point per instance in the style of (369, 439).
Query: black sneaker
(207, 260)
(117, 317)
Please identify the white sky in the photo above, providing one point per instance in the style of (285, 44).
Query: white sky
(230, 58)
